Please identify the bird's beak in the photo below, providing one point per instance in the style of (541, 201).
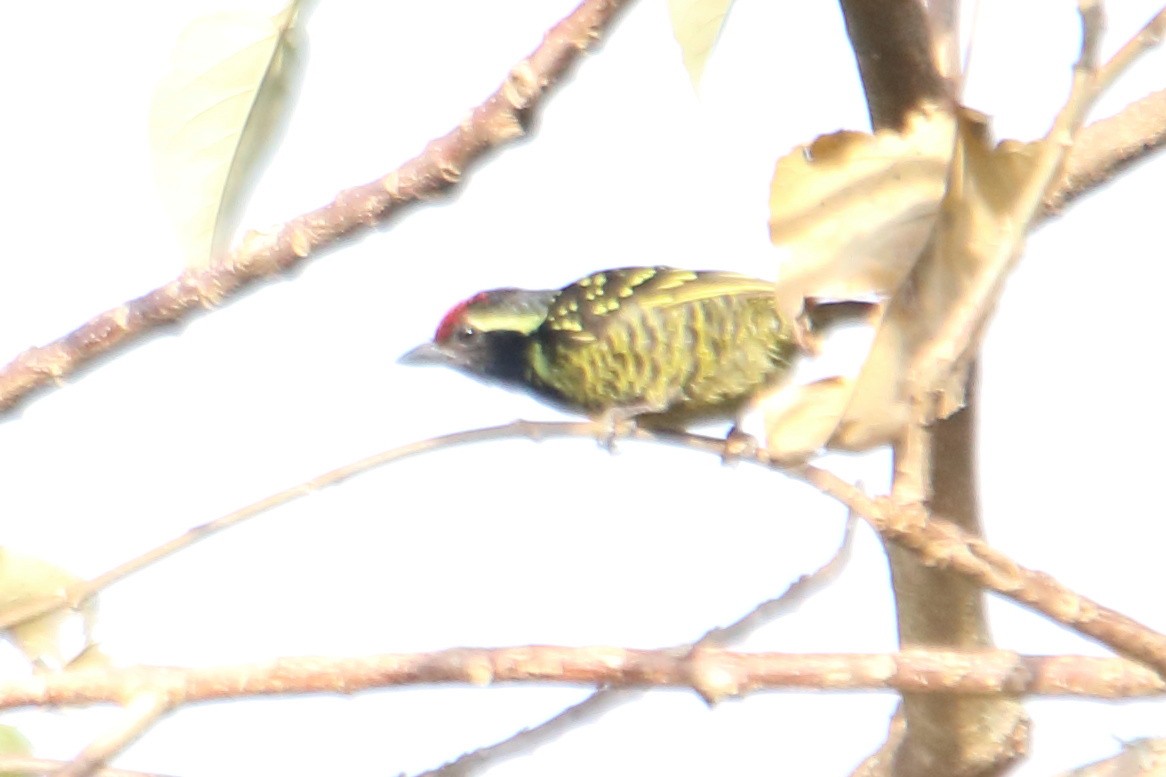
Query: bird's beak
(428, 353)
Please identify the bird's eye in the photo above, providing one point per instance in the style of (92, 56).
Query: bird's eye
(465, 333)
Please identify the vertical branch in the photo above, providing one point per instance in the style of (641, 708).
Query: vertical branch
(892, 43)
(905, 58)
(948, 734)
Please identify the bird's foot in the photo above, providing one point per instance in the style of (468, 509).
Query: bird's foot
(738, 445)
(622, 421)
(613, 423)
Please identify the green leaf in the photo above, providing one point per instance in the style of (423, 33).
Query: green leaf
(12, 742)
(215, 114)
(696, 25)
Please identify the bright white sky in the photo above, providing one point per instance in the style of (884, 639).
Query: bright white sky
(514, 542)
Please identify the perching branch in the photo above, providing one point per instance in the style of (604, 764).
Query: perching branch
(444, 161)
(937, 542)
(713, 673)
(34, 608)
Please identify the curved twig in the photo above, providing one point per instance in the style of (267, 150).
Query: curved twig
(604, 700)
(34, 608)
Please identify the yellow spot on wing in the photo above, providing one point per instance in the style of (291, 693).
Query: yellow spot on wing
(639, 276)
(675, 279)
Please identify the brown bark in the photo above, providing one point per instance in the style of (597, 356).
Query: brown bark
(896, 57)
(714, 673)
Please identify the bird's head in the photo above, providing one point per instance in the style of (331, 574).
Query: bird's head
(488, 334)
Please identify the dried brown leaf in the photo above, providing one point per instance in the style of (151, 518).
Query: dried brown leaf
(978, 226)
(852, 211)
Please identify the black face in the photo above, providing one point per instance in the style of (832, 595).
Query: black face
(499, 355)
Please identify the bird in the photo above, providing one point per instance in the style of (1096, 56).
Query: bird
(660, 345)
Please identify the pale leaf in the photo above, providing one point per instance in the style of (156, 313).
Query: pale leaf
(801, 416)
(696, 25)
(852, 214)
(801, 419)
(56, 638)
(220, 105)
(982, 233)
(852, 211)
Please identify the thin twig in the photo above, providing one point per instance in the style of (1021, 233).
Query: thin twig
(530, 739)
(26, 610)
(441, 165)
(714, 673)
(881, 762)
(1105, 148)
(794, 596)
(604, 700)
(141, 712)
(1146, 38)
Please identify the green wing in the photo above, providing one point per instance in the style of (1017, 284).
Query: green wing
(584, 310)
(656, 338)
